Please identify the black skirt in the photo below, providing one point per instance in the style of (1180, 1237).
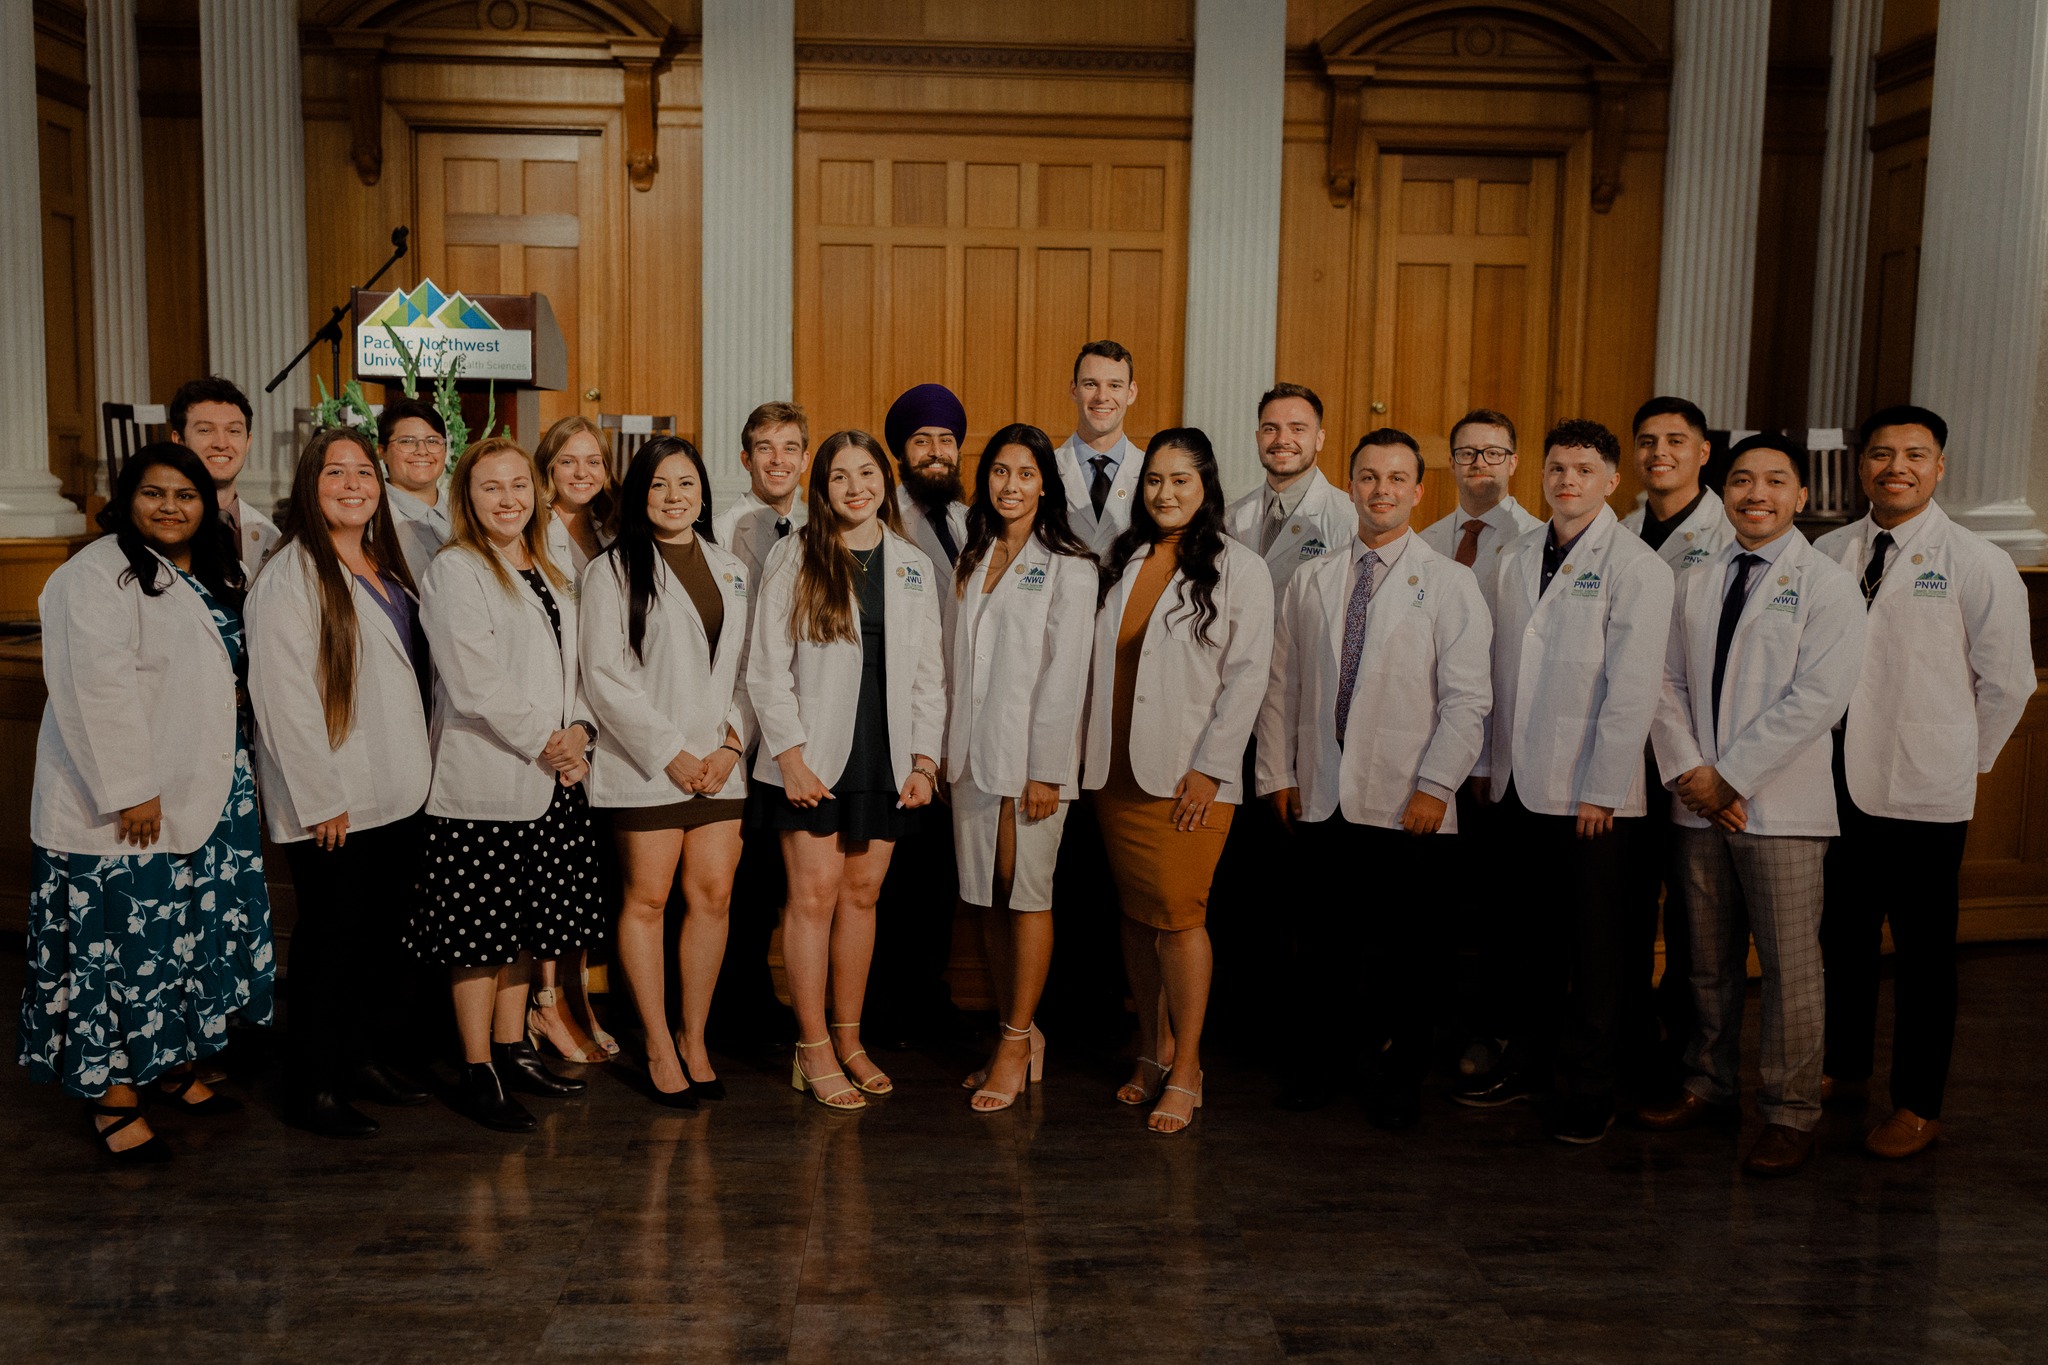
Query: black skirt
(493, 889)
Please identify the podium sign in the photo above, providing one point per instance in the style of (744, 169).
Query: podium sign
(511, 339)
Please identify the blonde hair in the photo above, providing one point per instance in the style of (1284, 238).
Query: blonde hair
(604, 508)
(468, 527)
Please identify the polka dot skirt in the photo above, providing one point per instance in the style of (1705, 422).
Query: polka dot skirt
(492, 889)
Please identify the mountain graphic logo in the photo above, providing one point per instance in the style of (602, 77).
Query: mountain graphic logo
(428, 305)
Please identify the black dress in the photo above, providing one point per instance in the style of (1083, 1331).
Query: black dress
(864, 798)
(493, 889)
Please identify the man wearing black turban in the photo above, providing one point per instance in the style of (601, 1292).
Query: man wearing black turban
(925, 429)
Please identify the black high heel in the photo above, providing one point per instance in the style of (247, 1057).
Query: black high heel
(481, 1096)
(521, 1068)
(151, 1153)
(171, 1090)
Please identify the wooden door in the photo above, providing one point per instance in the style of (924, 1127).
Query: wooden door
(984, 264)
(1466, 299)
(519, 213)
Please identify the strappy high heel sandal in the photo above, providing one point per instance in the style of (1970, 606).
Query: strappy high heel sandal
(977, 1079)
(597, 1033)
(171, 1090)
(802, 1081)
(1185, 1123)
(1034, 1073)
(539, 1014)
(151, 1153)
(1132, 1093)
(879, 1084)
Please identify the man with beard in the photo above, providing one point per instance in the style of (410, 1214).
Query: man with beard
(908, 995)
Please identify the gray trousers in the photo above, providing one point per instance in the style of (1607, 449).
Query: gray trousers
(1770, 887)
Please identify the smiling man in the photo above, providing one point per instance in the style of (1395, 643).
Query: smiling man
(1945, 680)
(1296, 515)
(211, 416)
(775, 447)
(1766, 643)
(1488, 519)
(413, 441)
(1680, 517)
(1098, 463)
(924, 429)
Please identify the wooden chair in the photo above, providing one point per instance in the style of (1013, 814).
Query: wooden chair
(126, 428)
(628, 433)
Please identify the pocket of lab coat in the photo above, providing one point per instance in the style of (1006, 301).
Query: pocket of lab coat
(1935, 764)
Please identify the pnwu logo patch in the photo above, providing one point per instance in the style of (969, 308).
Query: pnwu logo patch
(1420, 594)
(1586, 584)
(1786, 601)
(1931, 584)
(1313, 549)
(1032, 579)
(1696, 555)
(739, 585)
(913, 577)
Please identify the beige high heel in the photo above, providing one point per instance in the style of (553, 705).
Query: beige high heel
(879, 1084)
(1185, 1123)
(1034, 1073)
(544, 998)
(977, 1079)
(802, 1082)
(1132, 1093)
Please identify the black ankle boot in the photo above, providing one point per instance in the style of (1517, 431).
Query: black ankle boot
(480, 1096)
(522, 1069)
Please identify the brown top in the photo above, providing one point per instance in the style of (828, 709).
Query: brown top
(693, 571)
(1155, 571)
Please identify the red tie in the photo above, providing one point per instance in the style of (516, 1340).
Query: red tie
(1468, 543)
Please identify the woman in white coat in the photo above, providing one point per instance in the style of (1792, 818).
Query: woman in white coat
(148, 923)
(1021, 641)
(1183, 641)
(664, 645)
(509, 869)
(581, 493)
(846, 672)
(336, 666)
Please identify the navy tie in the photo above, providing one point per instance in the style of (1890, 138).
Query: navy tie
(1731, 612)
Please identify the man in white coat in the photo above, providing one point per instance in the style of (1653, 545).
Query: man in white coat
(212, 417)
(1373, 718)
(1766, 643)
(1488, 519)
(775, 447)
(412, 442)
(1946, 679)
(1098, 463)
(1296, 515)
(924, 429)
(1583, 614)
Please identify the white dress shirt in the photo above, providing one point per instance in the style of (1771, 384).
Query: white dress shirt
(422, 528)
(1078, 475)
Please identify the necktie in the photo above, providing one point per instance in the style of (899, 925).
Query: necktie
(1098, 491)
(1731, 612)
(1468, 542)
(781, 527)
(1354, 639)
(1873, 572)
(937, 517)
(1272, 527)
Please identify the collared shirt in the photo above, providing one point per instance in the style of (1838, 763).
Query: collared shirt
(1655, 532)
(1286, 499)
(1904, 536)
(411, 507)
(1554, 554)
(1767, 552)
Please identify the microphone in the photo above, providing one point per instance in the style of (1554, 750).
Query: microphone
(398, 236)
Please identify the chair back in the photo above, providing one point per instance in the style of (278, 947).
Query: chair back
(126, 428)
(628, 432)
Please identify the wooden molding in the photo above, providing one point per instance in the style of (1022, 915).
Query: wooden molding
(641, 160)
(63, 89)
(1347, 106)
(363, 65)
(1172, 63)
(1904, 64)
(1611, 86)
(1904, 128)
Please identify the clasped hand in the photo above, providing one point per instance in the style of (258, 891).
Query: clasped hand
(1706, 793)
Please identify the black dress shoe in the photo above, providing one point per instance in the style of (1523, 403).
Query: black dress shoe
(481, 1096)
(521, 1069)
(1393, 1107)
(1581, 1120)
(379, 1084)
(1505, 1084)
(326, 1113)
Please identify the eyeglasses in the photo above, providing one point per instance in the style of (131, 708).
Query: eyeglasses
(1474, 454)
(409, 444)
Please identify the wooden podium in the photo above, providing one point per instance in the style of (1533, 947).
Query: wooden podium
(508, 340)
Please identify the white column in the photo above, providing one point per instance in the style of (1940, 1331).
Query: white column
(30, 504)
(749, 216)
(120, 280)
(1844, 217)
(1233, 297)
(252, 129)
(1713, 161)
(1984, 261)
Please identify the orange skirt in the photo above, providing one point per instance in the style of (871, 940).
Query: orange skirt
(1162, 874)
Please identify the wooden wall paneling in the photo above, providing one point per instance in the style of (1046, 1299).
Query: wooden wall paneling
(1316, 299)
(348, 227)
(174, 251)
(1042, 21)
(661, 337)
(73, 415)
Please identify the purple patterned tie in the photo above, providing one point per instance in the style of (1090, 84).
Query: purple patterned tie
(1354, 639)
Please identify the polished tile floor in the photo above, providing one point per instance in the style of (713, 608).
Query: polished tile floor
(766, 1229)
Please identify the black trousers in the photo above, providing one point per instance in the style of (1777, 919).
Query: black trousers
(1570, 935)
(908, 994)
(1907, 871)
(1363, 933)
(349, 996)
(1657, 1018)
(1479, 891)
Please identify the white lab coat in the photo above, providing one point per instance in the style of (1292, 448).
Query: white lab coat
(1419, 702)
(924, 538)
(1506, 521)
(747, 528)
(1577, 675)
(563, 549)
(1195, 703)
(1019, 679)
(502, 688)
(141, 704)
(380, 773)
(677, 694)
(1795, 656)
(1697, 538)
(809, 694)
(258, 538)
(422, 530)
(1948, 671)
(1324, 521)
(1077, 475)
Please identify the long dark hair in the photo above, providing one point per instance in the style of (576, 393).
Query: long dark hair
(1201, 541)
(215, 562)
(633, 552)
(821, 610)
(984, 523)
(305, 524)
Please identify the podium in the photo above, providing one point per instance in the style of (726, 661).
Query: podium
(510, 340)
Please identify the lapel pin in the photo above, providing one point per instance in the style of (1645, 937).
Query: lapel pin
(1783, 579)
(1295, 529)
(1688, 535)
(1566, 569)
(899, 571)
(1413, 579)
(1916, 559)
(1119, 492)
(1019, 568)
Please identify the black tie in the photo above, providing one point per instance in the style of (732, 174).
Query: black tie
(937, 517)
(781, 527)
(1731, 612)
(1098, 491)
(1873, 572)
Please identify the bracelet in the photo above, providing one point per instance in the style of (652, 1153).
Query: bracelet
(927, 774)
(735, 750)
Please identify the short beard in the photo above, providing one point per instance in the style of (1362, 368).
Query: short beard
(933, 494)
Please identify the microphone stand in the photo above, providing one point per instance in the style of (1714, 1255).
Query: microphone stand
(330, 331)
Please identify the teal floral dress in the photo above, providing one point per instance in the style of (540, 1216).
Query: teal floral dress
(136, 962)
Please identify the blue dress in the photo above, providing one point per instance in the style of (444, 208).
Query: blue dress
(135, 962)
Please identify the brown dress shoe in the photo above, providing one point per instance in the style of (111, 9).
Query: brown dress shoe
(1687, 1111)
(1904, 1134)
(1779, 1151)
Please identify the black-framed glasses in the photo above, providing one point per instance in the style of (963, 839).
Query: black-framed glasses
(409, 444)
(1474, 454)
